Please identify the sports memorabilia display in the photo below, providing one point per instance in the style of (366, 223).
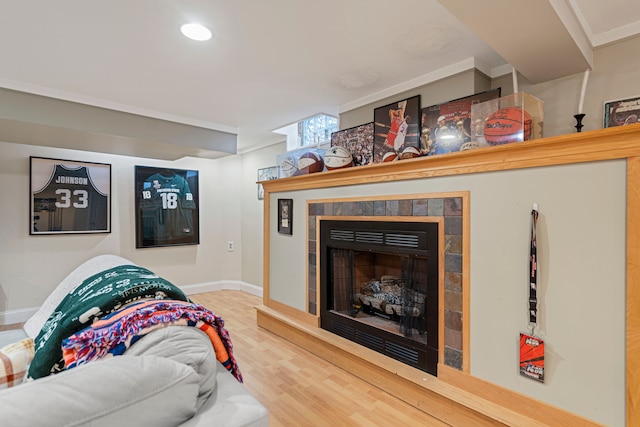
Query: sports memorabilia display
(358, 140)
(513, 118)
(166, 207)
(266, 174)
(338, 158)
(532, 347)
(447, 127)
(410, 153)
(509, 124)
(531, 357)
(302, 161)
(69, 197)
(396, 126)
(310, 162)
(621, 112)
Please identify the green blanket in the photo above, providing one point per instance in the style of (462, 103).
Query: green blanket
(97, 296)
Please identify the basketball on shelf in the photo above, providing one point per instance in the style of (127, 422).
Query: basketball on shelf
(288, 167)
(469, 145)
(510, 124)
(389, 156)
(409, 153)
(337, 158)
(310, 162)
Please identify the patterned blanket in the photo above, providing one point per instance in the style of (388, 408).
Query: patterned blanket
(112, 335)
(99, 295)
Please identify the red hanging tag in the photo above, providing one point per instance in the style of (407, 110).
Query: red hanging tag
(531, 357)
(532, 348)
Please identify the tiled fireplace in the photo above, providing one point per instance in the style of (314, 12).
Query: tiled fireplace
(394, 268)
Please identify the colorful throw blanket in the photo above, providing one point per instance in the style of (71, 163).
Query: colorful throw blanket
(99, 295)
(114, 334)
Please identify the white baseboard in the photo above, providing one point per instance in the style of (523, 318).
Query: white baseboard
(224, 285)
(10, 317)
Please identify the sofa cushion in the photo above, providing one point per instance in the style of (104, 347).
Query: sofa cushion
(230, 405)
(120, 391)
(14, 362)
(184, 344)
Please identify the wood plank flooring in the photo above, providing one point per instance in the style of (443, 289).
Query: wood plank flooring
(297, 387)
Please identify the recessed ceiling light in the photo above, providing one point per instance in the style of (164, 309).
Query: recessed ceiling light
(196, 32)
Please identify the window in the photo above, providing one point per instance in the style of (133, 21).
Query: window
(316, 130)
(310, 132)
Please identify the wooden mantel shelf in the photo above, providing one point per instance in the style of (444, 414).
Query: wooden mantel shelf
(604, 144)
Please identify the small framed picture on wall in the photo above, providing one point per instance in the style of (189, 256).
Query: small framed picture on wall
(285, 216)
(166, 206)
(69, 196)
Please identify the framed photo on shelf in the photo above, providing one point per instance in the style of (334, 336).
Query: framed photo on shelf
(69, 197)
(358, 140)
(622, 112)
(396, 127)
(166, 205)
(285, 216)
(266, 174)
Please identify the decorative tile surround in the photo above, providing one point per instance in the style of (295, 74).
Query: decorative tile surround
(448, 208)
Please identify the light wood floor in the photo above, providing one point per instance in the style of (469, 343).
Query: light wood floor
(297, 387)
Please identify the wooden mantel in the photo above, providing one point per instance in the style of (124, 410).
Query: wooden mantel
(599, 145)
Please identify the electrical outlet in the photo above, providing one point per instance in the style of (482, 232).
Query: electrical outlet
(230, 246)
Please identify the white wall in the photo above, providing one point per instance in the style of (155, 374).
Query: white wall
(31, 266)
(253, 212)
(614, 76)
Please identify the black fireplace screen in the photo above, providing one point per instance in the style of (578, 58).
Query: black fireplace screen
(388, 286)
(379, 287)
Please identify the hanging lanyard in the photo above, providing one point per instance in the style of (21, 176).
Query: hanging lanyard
(533, 271)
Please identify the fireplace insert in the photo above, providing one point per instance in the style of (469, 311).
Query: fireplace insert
(379, 287)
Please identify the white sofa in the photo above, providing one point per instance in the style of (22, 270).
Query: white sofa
(170, 377)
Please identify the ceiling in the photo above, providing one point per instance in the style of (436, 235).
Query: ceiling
(272, 63)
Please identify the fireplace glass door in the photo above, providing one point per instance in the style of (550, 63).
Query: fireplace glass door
(384, 290)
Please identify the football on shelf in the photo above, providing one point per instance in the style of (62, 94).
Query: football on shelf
(389, 156)
(310, 162)
(409, 153)
(337, 158)
(510, 124)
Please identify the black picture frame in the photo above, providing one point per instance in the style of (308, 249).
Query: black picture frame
(166, 207)
(285, 216)
(621, 112)
(396, 127)
(358, 140)
(69, 196)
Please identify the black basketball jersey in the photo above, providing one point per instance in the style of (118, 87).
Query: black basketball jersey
(166, 205)
(72, 200)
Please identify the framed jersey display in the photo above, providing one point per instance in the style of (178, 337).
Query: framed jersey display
(69, 197)
(166, 207)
